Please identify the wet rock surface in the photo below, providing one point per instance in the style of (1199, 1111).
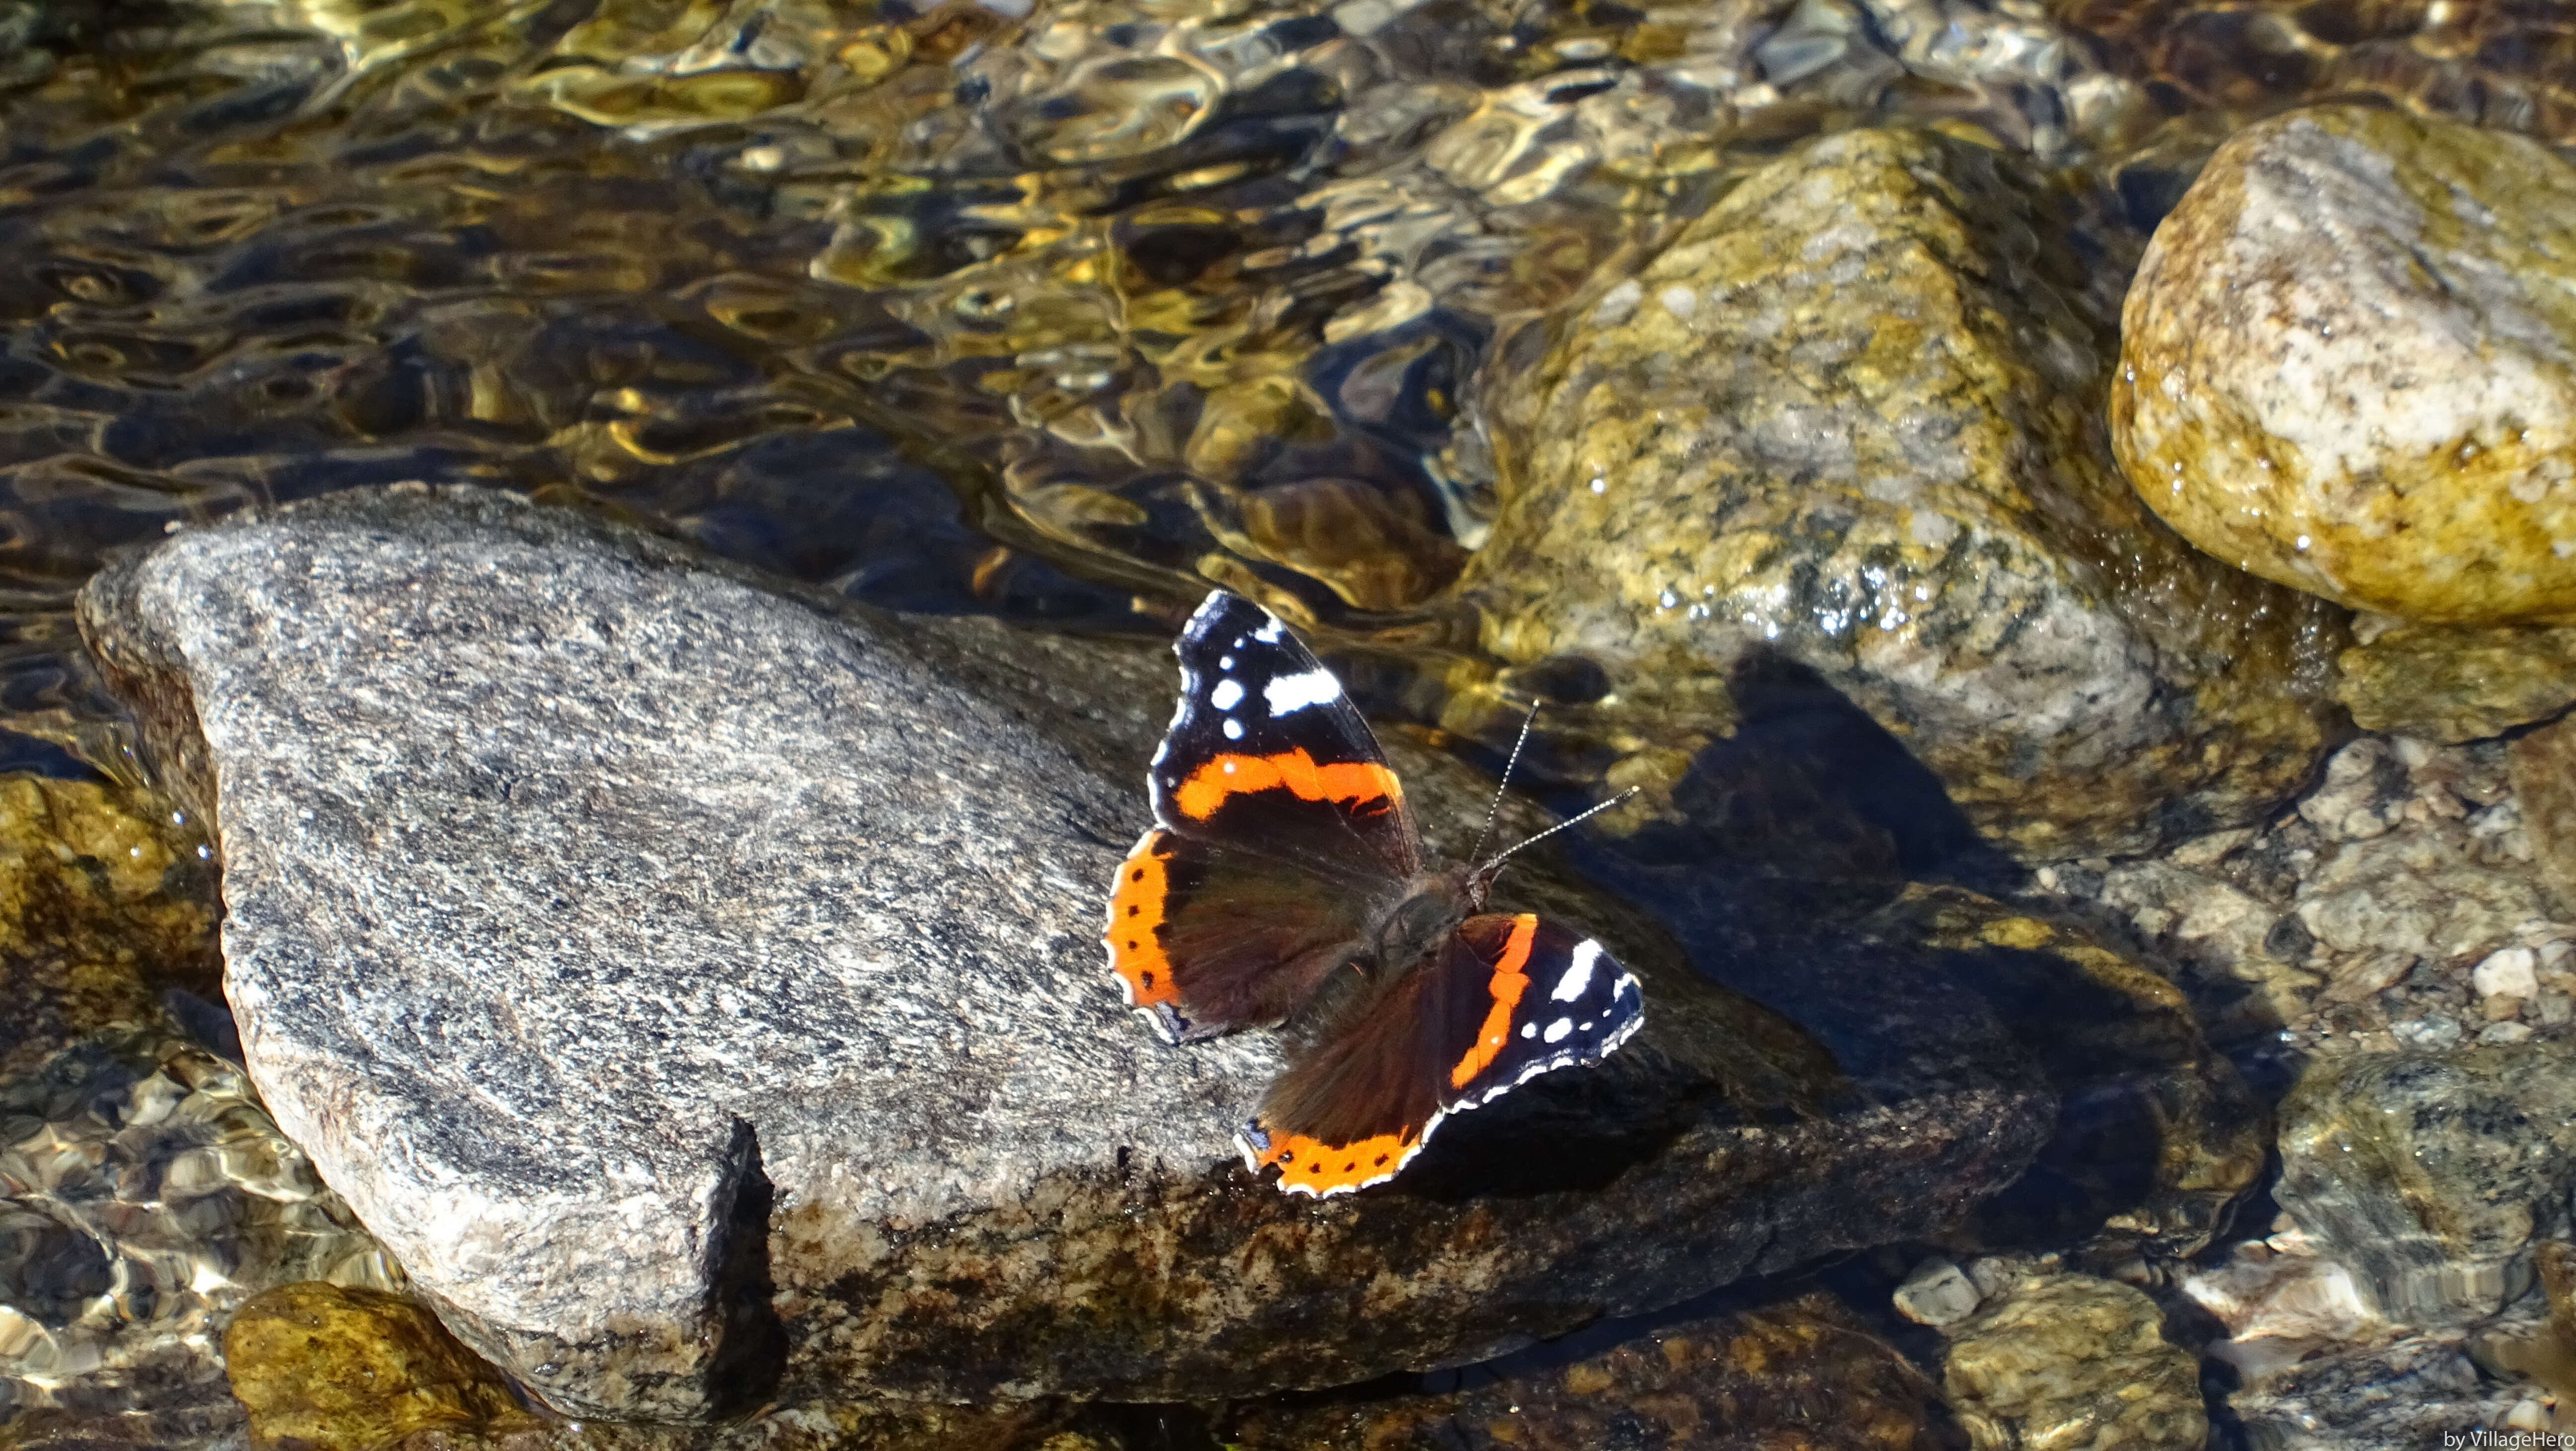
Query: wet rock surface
(458, 739)
(1851, 419)
(2407, 1393)
(1750, 1378)
(2070, 1360)
(2157, 1135)
(2453, 683)
(2348, 362)
(2434, 1175)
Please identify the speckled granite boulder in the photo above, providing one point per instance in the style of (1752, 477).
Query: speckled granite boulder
(2348, 363)
(2432, 1175)
(1853, 418)
(2457, 682)
(623, 938)
(2070, 1360)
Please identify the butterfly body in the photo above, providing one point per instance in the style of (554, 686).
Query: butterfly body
(1283, 883)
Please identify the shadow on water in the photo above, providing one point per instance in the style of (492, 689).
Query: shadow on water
(1813, 865)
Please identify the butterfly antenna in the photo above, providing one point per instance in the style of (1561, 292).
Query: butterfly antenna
(1577, 820)
(1505, 784)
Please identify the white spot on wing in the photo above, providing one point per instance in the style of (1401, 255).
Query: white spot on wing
(1529, 1030)
(1227, 695)
(1557, 1031)
(1270, 629)
(1578, 973)
(1291, 693)
(1233, 729)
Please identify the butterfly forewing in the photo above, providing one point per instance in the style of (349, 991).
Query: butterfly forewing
(1266, 754)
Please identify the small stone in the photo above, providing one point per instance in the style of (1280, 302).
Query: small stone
(2527, 1415)
(1936, 1293)
(2499, 1033)
(2511, 972)
(2556, 1009)
(2427, 1032)
(2349, 364)
(2500, 1008)
(319, 1364)
(2073, 1350)
(2281, 1288)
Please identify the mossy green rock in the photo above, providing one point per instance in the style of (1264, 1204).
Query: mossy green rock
(2348, 363)
(1853, 417)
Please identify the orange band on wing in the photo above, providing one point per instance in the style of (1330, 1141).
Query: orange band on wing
(1136, 902)
(1508, 985)
(1305, 778)
(1311, 1166)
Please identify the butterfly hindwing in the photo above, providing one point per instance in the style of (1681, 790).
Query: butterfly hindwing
(1267, 754)
(1205, 940)
(1506, 999)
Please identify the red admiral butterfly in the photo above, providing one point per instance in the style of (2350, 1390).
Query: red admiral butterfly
(1283, 881)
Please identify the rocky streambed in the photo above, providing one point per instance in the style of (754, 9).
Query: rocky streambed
(584, 930)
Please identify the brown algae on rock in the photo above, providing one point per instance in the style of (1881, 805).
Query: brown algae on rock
(2454, 683)
(1852, 417)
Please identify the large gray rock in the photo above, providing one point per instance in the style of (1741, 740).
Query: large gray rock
(588, 902)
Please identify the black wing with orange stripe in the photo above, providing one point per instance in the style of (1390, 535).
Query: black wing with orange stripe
(1507, 999)
(1267, 755)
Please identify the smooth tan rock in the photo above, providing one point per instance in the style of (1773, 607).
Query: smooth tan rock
(2348, 363)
